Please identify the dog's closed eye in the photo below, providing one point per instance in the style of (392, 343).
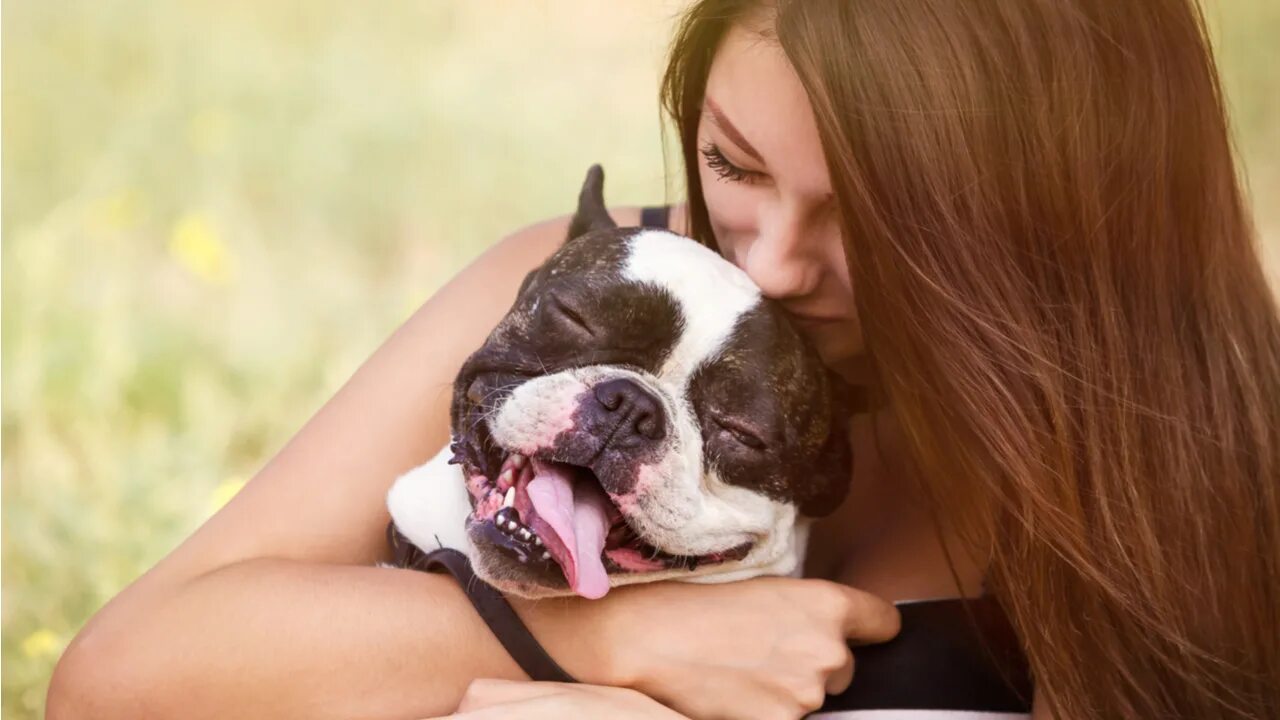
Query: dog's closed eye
(740, 434)
(569, 317)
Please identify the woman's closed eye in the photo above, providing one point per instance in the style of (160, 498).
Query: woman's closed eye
(721, 166)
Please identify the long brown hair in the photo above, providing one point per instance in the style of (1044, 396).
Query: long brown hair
(1061, 293)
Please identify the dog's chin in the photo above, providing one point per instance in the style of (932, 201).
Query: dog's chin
(523, 552)
(531, 581)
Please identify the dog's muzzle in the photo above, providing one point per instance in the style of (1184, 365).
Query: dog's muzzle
(554, 508)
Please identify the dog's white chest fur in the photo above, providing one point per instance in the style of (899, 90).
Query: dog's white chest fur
(429, 505)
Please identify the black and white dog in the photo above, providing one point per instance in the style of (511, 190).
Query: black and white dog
(641, 413)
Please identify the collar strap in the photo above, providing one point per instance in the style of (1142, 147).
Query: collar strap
(489, 603)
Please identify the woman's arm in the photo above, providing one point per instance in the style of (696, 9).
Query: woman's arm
(272, 608)
(502, 700)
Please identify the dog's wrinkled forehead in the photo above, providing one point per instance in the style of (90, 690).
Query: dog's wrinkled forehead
(713, 295)
(638, 297)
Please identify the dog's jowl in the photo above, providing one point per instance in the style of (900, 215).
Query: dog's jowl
(641, 413)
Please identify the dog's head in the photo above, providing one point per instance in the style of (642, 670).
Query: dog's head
(643, 413)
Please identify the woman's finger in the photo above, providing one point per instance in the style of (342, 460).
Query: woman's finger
(538, 708)
(869, 619)
(838, 681)
(504, 700)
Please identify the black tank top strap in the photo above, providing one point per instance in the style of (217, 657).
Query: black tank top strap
(655, 216)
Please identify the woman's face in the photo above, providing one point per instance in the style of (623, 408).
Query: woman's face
(769, 196)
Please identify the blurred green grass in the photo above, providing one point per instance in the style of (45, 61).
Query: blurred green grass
(214, 211)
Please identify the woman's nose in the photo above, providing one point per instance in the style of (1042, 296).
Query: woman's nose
(782, 261)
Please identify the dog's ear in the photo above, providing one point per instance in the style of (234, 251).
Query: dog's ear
(528, 278)
(591, 214)
(828, 483)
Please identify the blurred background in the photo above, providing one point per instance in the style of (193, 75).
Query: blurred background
(214, 211)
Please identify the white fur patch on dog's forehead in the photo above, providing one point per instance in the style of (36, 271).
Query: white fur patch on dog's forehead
(711, 291)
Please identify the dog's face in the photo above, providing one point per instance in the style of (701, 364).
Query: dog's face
(642, 413)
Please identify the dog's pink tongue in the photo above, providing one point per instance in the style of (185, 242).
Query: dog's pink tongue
(577, 511)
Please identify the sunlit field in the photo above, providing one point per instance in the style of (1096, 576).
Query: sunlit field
(214, 211)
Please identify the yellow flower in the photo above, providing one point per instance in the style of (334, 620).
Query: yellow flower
(40, 643)
(226, 490)
(196, 247)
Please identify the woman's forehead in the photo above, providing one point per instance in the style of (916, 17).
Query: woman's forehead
(758, 92)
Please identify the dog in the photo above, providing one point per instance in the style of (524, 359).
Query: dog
(641, 413)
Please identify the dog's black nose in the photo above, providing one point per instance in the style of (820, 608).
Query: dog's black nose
(636, 409)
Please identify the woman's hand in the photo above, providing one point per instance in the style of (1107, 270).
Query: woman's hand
(763, 648)
(507, 699)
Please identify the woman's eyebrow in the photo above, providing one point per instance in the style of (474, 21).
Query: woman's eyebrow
(717, 116)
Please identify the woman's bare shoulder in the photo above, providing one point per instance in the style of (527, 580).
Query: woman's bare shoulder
(527, 248)
(679, 220)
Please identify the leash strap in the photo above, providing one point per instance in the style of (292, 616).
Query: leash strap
(490, 604)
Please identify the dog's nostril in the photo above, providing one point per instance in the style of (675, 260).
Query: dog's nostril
(641, 410)
(648, 426)
(610, 398)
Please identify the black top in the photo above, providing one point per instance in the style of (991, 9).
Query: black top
(951, 654)
(655, 216)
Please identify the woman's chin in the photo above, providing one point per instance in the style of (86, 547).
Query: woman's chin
(852, 364)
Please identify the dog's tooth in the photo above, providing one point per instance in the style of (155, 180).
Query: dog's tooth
(506, 477)
(511, 525)
(510, 499)
(537, 540)
(525, 534)
(546, 555)
(518, 460)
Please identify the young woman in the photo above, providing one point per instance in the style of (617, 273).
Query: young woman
(1017, 222)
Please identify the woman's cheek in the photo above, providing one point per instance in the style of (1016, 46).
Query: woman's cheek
(732, 212)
